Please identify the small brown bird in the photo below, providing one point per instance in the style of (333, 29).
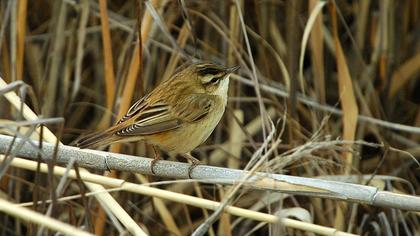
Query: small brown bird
(177, 116)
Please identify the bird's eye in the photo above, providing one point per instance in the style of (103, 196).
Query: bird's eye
(214, 80)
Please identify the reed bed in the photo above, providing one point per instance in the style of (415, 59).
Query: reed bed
(327, 90)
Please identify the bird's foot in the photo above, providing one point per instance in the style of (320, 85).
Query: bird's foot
(194, 163)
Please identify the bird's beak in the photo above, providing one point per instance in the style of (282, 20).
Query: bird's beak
(232, 69)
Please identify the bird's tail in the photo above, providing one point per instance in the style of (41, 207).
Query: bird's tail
(97, 139)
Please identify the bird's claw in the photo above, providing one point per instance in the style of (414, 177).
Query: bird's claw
(152, 165)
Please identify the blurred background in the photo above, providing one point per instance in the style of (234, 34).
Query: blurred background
(320, 70)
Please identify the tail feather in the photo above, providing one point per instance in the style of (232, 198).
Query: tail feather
(95, 140)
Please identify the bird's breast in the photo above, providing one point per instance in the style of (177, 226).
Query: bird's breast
(190, 135)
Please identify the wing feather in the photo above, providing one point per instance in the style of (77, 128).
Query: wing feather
(149, 118)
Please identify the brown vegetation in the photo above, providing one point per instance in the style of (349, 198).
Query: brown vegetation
(320, 70)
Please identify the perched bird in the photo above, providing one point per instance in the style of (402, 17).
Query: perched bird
(177, 116)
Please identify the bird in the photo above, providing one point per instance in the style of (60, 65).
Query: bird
(176, 116)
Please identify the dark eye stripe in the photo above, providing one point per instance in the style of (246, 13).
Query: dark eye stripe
(209, 71)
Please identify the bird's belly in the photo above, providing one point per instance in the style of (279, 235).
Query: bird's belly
(188, 136)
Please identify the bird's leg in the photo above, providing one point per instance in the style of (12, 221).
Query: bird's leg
(194, 162)
(156, 159)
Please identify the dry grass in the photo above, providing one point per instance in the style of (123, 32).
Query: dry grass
(84, 62)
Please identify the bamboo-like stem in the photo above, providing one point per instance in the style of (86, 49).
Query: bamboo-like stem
(108, 60)
(101, 160)
(20, 37)
(110, 92)
(181, 198)
(35, 217)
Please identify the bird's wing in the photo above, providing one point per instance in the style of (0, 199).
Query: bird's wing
(145, 118)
